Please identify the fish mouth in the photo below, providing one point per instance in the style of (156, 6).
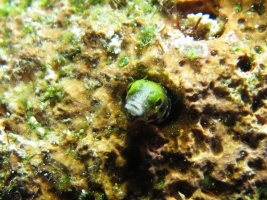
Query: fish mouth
(135, 109)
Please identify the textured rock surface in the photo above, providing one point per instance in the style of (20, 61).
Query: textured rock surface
(64, 70)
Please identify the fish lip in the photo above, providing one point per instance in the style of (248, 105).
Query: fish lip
(134, 109)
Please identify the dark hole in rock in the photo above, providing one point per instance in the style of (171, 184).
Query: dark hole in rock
(263, 94)
(242, 156)
(229, 118)
(230, 168)
(222, 61)
(258, 8)
(245, 97)
(214, 52)
(198, 134)
(244, 64)
(70, 53)
(214, 186)
(93, 39)
(177, 161)
(207, 167)
(252, 139)
(215, 145)
(182, 63)
(258, 49)
(235, 83)
(182, 187)
(3, 61)
(209, 110)
(211, 85)
(261, 28)
(256, 103)
(205, 122)
(260, 119)
(193, 115)
(200, 139)
(91, 61)
(257, 163)
(10, 126)
(241, 21)
(84, 153)
(221, 92)
(239, 183)
(114, 170)
(194, 97)
(3, 109)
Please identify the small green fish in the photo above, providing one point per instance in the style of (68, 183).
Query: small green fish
(147, 101)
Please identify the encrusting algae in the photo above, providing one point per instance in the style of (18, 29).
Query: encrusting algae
(65, 67)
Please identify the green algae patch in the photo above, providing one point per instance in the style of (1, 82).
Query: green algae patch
(65, 67)
(123, 61)
(146, 35)
(13, 8)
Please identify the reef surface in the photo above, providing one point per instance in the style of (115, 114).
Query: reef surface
(64, 71)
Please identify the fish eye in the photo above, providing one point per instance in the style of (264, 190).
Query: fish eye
(159, 102)
(129, 86)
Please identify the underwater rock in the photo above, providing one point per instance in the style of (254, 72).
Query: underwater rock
(64, 71)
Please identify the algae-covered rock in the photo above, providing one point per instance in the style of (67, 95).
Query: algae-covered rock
(65, 69)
